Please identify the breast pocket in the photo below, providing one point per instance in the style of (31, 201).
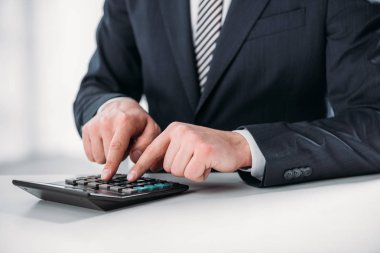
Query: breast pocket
(278, 23)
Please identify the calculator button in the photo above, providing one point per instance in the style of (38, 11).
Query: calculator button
(139, 188)
(128, 191)
(118, 176)
(104, 186)
(162, 185)
(158, 185)
(93, 184)
(71, 181)
(150, 187)
(82, 182)
(128, 186)
(115, 188)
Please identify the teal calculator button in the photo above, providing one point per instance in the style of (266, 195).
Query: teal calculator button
(159, 185)
(150, 187)
(139, 188)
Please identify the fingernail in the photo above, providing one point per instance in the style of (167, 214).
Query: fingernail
(105, 174)
(131, 176)
(136, 154)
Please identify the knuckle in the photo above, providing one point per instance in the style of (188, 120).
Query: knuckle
(174, 125)
(88, 127)
(174, 173)
(194, 137)
(181, 129)
(106, 126)
(177, 173)
(205, 149)
(166, 165)
(100, 160)
(123, 118)
(105, 120)
(166, 168)
(90, 123)
(116, 145)
(92, 127)
(85, 129)
(189, 175)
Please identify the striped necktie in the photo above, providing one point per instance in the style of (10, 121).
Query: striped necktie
(209, 23)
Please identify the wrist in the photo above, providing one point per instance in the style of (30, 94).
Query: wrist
(121, 103)
(243, 151)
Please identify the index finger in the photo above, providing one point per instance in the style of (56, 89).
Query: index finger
(118, 147)
(152, 154)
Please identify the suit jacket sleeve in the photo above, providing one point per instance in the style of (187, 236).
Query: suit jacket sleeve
(348, 143)
(105, 78)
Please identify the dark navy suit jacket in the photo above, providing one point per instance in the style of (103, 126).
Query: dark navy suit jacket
(276, 64)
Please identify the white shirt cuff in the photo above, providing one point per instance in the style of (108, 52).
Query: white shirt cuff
(258, 159)
(107, 102)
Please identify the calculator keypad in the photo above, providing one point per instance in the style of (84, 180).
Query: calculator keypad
(119, 184)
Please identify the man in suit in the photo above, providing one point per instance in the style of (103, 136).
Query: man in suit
(235, 86)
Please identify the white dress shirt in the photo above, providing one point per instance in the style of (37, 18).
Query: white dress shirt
(258, 159)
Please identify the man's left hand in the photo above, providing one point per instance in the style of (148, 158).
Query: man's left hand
(191, 151)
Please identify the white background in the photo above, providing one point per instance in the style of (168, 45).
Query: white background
(45, 46)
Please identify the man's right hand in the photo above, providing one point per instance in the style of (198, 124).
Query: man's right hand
(121, 128)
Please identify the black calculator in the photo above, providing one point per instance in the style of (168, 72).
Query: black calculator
(92, 192)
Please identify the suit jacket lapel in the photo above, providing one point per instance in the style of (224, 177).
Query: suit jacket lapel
(241, 16)
(176, 16)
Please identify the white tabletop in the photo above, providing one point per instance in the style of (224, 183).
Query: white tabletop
(221, 215)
